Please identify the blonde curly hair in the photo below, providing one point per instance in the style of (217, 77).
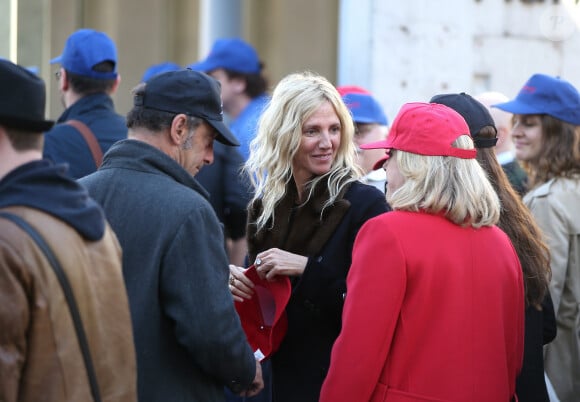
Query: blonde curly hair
(294, 100)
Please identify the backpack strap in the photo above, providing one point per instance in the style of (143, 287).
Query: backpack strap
(90, 139)
(68, 294)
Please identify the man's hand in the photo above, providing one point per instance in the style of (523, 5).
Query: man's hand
(257, 384)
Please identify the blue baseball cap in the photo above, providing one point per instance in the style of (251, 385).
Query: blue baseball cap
(363, 106)
(230, 54)
(84, 49)
(544, 94)
(159, 68)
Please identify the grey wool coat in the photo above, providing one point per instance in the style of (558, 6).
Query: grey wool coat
(188, 337)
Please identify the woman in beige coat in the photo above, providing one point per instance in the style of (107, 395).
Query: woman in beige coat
(547, 141)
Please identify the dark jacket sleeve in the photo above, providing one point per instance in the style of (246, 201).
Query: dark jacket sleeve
(196, 268)
(236, 194)
(229, 191)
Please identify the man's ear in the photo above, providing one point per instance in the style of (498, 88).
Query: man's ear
(179, 129)
(63, 83)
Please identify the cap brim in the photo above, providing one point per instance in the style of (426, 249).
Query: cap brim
(368, 120)
(57, 59)
(35, 126)
(361, 119)
(203, 66)
(384, 144)
(225, 136)
(379, 164)
(517, 107)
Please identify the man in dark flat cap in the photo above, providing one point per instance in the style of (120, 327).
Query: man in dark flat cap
(189, 339)
(42, 357)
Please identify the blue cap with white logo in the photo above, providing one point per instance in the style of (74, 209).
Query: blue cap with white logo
(86, 48)
(544, 94)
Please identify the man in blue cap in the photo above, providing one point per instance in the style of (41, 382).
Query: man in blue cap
(87, 78)
(371, 125)
(235, 64)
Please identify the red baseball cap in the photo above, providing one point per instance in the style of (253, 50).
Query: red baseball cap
(263, 316)
(425, 129)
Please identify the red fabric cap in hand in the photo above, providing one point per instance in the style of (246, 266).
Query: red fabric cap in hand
(263, 316)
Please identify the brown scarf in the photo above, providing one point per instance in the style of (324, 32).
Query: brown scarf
(299, 229)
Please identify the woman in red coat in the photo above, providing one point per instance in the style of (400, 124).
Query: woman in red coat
(435, 299)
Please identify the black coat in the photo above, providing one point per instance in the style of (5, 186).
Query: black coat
(315, 307)
(540, 330)
(229, 192)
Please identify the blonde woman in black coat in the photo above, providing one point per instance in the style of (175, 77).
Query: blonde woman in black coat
(307, 209)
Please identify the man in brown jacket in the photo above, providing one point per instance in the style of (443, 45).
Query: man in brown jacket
(40, 356)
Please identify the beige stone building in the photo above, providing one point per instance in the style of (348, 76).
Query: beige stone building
(400, 50)
(289, 35)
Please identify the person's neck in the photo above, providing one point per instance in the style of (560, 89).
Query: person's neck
(70, 98)
(299, 189)
(157, 140)
(237, 105)
(11, 160)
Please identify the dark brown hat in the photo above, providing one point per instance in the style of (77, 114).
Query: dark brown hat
(22, 99)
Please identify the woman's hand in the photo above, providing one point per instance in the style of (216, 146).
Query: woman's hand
(240, 286)
(274, 262)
